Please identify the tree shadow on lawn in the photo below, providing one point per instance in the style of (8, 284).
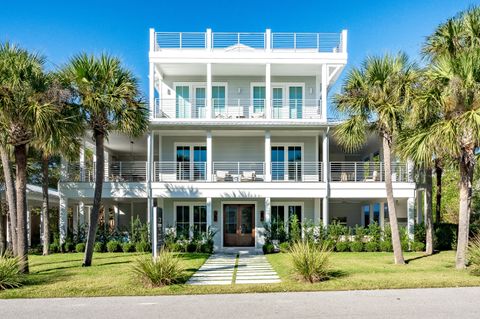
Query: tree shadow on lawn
(95, 257)
(336, 273)
(35, 279)
(407, 261)
(192, 256)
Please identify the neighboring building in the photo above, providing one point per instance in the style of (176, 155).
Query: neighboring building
(240, 136)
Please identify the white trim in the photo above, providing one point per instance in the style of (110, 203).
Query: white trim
(228, 202)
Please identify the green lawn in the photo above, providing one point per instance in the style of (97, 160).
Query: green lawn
(60, 275)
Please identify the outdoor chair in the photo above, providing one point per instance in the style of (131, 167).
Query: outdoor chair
(248, 176)
(372, 178)
(222, 176)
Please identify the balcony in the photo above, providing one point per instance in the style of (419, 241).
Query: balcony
(367, 172)
(114, 172)
(248, 41)
(237, 109)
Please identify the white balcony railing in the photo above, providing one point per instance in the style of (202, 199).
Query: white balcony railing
(180, 108)
(296, 109)
(179, 171)
(129, 171)
(297, 171)
(238, 171)
(278, 41)
(367, 172)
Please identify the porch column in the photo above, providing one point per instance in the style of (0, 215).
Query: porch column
(75, 219)
(325, 157)
(324, 91)
(63, 217)
(115, 215)
(410, 216)
(154, 238)
(209, 213)
(268, 157)
(209, 91)
(150, 150)
(209, 157)
(29, 225)
(268, 210)
(157, 167)
(325, 214)
(382, 215)
(316, 211)
(151, 89)
(268, 91)
(81, 213)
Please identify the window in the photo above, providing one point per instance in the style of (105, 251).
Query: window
(295, 94)
(186, 168)
(183, 221)
(182, 101)
(278, 215)
(287, 159)
(200, 219)
(295, 211)
(218, 96)
(258, 99)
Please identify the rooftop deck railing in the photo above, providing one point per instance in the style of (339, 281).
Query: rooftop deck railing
(367, 172)
(278, 41)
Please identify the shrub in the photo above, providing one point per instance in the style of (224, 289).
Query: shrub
(80, 248)
(335, 230)
(160, 271)
(386, 246)
(419, 233)
(445, 236)
(206, 248)
(54, 248)
(356, 246)
(284, 247)
(310, 261)
(418, 246)
(268, 248)
(404, 240)
(142, 247)
(128, 247)
(113, 246)
(341, 246)
(10, 276)
(191, 247)
(375, 232)
(371, 246)
(69, 246)
(294, 232)
(99, 247)
(474, 255)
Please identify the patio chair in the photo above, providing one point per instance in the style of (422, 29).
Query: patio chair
(344, 177)
(222, 176)
(248, 176)
(372, 178)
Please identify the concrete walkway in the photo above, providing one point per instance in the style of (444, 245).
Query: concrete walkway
(392, 304)
(248, 268)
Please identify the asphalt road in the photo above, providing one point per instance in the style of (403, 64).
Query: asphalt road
(407, 303)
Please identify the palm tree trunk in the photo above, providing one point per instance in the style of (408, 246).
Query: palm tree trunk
(45, 206)
(428, 212)
(3, 230)
(10, 192)
(97, 197)
(21, 187)
(438, 202)
(392, 213)
(467, 165)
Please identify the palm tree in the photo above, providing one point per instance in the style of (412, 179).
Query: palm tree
(109, 98)
(10, 194)
(375, 97)
(454, 51)
(23, 117)
(64, 140)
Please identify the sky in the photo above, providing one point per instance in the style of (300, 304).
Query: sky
(61, 29)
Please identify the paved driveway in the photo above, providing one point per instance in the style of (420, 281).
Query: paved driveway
(407, 303)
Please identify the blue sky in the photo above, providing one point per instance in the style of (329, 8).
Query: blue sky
(60, 29)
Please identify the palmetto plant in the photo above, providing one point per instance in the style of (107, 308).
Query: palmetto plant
(375, 97)
(109, 98)
(454, 52)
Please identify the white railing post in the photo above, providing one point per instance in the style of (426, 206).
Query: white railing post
(295, 41)
(268, 91)
(355, 170)
(209, 109)
(268, 40)
(152, 40)
(209, 156)
(208, 39)
(344, 41)
(318, 42)
(268, 157)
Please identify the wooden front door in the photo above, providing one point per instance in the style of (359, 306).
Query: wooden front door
(238, 225)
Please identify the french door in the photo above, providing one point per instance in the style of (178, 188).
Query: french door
(258, 99)
(218, 102)
(277, 102)
(200, 102)
(238, 225)
(295, 101)
(191, 162)
(286, 163)
(182, 101)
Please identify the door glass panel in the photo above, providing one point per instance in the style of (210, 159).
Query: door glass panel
(200, 219)
(200, 94)
(295, 97)
(294, 163)
(246, 220)
(218, 96)
(230, 219)
(183, 162)
(277, 103)
(183, 221)
(376, 213)
(199, 160)
(295, 210)
(278, 163)
(278, 215)
(182, 101)
(258, 99)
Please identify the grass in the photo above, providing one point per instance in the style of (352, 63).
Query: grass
(60, 275)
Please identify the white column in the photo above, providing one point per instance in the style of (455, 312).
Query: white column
(268, 40)
(209, 212)
(382, 215)
(268, 157)
(157, 174)
(151, 89)
(115, 215)
(344, 41)
(324, 91)
(410, 216)
(209, 110)
(152, 39)
(81, 213)
(208, 40)
(268, 210)
(317, 156)
(325, 157)
(318, 91)
(150, 150)
(209, 156)
(82, 162)
(268, 91)
(325, 213)
(154, 238)
(63, 217)
(316, 210)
